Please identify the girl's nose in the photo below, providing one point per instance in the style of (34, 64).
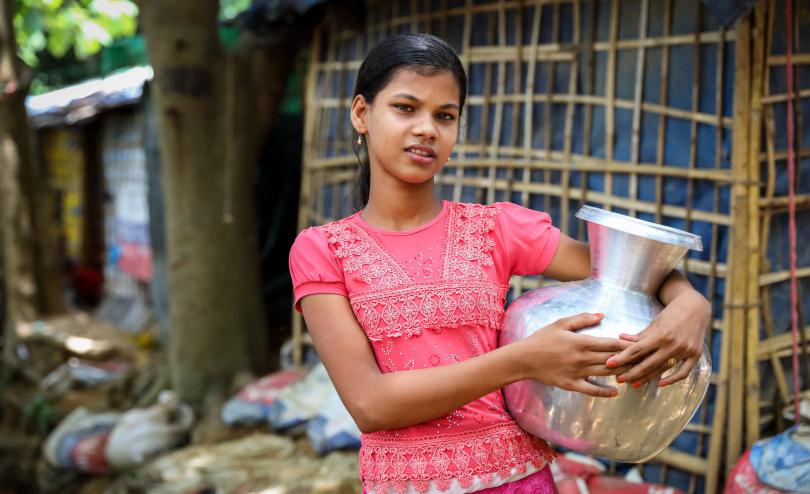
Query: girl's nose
(425, 128)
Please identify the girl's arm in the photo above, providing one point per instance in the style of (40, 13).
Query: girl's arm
(377, 401)
(677, 332)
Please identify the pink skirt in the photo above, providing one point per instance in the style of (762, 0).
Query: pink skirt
(537, 483)
(540, 482)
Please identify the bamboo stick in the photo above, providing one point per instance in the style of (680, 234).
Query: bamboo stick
(752, 343)
(578, 163)
(739, 207)
(306, 177)
(589, 90)
(528, 102)
(610, 94)
(662, 121)
(573, 75)
(460, 156)
(555, 27)
(496, 131)
(635, 142)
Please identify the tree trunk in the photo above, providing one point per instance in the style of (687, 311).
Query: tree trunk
(210, 122)
(30, 287)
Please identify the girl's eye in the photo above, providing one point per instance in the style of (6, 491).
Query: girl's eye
(446, 116)
(402, 107)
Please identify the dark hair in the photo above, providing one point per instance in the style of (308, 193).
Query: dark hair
(423, 53)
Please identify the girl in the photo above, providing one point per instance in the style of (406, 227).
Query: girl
(404, 299)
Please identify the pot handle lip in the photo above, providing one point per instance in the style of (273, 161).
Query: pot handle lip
(641, 228)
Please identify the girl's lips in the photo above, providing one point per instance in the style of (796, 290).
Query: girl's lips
(418, 158)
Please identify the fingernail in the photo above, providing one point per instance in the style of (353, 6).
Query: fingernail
(662, 384)
(620, 380)
(615, 392)
(599, 314)
(611, 364)
(636, 385)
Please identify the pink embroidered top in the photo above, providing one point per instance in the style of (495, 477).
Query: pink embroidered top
(426, 297)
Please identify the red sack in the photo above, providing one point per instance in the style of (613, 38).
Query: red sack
(743, 479)
(88, 454)
(576, 474)
(605, 484)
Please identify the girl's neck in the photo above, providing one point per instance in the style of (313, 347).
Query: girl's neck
(402, 209)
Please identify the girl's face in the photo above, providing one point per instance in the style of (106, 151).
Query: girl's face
(411, 127)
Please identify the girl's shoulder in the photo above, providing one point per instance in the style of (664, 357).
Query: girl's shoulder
(496, 209)
(319, 237)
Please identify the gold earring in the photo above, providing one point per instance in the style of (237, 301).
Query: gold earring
(359, 139)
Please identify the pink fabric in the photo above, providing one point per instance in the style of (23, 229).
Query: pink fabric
(541, 482)
(428, 297)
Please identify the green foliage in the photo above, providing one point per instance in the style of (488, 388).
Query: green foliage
(40, 414)
(228, 9)
(59, 25)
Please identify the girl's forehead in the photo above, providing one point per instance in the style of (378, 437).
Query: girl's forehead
(441, 85)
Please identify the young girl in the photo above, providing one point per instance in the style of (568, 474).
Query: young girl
(405, 298)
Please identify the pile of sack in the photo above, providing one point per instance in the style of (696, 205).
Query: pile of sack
(578, 474)
(291, 400)
(97, 442)
(778, 464)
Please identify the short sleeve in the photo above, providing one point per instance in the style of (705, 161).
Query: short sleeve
(313, 267)
(528, 237)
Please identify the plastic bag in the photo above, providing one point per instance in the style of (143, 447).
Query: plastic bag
(743, 479)
(252, 404)
(783, 461)
(144, 432)
(298, 403)
(333, 427)
(78, 442)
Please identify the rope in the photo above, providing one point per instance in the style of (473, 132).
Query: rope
(791, 158)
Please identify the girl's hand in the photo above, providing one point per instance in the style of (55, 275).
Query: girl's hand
(557, 356)
(677, 333)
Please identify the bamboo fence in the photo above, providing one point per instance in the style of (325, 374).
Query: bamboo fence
(644, 107)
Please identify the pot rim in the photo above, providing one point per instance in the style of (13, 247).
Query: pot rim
(641, 228)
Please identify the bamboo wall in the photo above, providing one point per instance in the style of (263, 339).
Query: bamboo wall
(768, 358)
(644, 107)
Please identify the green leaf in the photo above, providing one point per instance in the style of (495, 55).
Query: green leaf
(85, 46)
(60, 41)
(59, 25)
(231, 8)
(114, 8)
(37, 41)
(32, 22)
(92, 30)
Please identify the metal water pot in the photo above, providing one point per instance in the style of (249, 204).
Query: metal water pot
(630, 259)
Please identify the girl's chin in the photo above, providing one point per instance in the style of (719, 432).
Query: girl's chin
(419, 176)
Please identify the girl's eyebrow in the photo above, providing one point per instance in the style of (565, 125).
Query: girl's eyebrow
(415, 99)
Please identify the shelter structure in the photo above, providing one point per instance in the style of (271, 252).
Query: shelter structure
(651, 108)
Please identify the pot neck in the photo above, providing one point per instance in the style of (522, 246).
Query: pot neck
(630, 261)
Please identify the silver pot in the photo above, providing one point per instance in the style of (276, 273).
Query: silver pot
(630, 259)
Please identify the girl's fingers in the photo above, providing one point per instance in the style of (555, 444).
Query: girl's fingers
(647, 366)
(636, 351)
(683, 371)
(629, 337)
(591, 389)
(649, 377)
(611, 345)
(602, 370)
(579, 321)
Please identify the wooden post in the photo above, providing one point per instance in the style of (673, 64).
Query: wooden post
(752, 387)
(736, 284)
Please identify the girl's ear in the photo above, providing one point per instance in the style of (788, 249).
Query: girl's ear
(359, 114)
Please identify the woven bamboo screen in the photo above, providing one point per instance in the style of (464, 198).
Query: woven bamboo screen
(768, 357)
(623, 105)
